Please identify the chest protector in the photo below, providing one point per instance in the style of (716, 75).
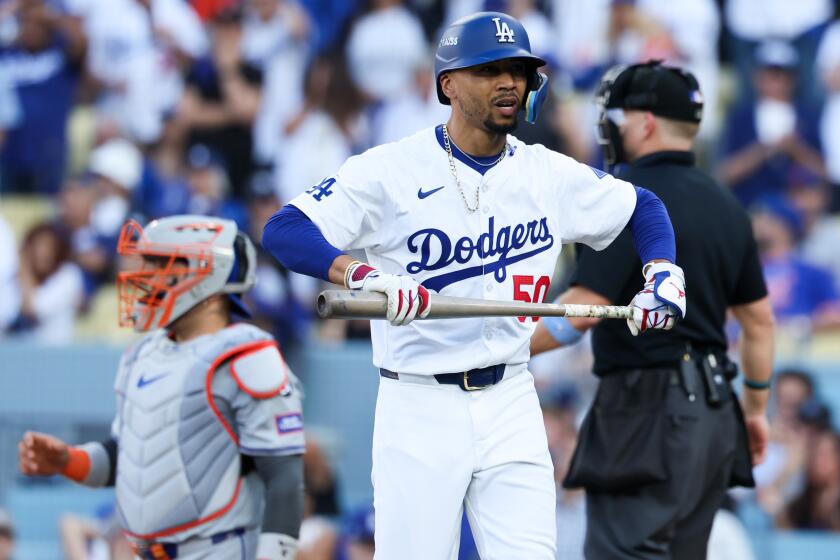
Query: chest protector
(179, 467)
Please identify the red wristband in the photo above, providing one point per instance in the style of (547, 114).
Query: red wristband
(78, 465)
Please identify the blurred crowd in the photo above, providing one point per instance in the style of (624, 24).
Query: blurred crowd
(118, 109)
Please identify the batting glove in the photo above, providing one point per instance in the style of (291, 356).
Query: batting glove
(661, 302)
(407, 299)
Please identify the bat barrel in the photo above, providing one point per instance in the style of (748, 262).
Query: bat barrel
(344, 304)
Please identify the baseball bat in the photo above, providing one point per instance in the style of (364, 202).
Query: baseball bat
(347, 304)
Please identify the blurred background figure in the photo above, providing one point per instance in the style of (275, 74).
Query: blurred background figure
(7, 536)
(801, 294)
(43, 65)
(537, 24)
(106, 194)
(209, 187)
(682, 34)
(766, 136)
(780, 477)
(582, 49)
(560, 414)
(51, 287)
(88, 248)
(828, 68)
(810, 195)
(9, 110)
(221, 101)
(356, 537)
(272, 27)
(818, 504)
(9, 286)
(416, 109)
(801, 24)
(330, 127)
(280, 300)
(383, 69)
(318, 534)
(278, 38)
(138, 51)
(98, 538)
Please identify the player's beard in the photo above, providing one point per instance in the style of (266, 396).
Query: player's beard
(498, 128)
(472, 113)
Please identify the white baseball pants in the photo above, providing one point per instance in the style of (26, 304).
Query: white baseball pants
(438, 449)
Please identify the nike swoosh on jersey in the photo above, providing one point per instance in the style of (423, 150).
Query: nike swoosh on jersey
(421, 194)
(143, 381)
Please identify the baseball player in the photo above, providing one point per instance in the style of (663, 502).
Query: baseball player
(465, 209)
(206, 446)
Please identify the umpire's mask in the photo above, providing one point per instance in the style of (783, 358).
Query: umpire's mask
(665, 91)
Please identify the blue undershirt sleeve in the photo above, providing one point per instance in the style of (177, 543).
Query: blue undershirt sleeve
(651, 227)
(297, 243)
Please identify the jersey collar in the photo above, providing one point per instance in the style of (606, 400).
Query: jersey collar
(658, 158)
(460, 156)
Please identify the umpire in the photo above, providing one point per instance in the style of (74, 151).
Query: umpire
(665, 437)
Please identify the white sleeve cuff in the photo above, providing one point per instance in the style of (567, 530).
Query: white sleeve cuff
(274, 546)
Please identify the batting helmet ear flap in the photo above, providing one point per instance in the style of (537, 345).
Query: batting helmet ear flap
(536, 97)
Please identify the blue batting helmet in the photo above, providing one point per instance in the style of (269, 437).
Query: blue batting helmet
(487, 37)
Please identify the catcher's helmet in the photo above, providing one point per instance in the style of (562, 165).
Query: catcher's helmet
(185, 260)
(487, 37)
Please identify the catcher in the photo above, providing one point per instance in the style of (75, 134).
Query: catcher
(207, 442)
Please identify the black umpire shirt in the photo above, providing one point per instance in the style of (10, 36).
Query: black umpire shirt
(715, 248)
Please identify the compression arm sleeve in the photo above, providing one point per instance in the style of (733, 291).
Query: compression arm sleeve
(93, 464)
(283, 479)
(651, 227)
(298, 244)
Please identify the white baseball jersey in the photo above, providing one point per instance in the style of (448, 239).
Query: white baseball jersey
(400, 203)
(185, 414)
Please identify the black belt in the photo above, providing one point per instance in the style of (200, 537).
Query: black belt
(169, 551)
(471, 380)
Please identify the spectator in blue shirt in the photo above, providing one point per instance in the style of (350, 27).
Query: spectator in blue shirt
(797, 289)
(766, 137)
(356, 539)
(9, 108)
(43, 64)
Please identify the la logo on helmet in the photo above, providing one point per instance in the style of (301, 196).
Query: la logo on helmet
(503, 31)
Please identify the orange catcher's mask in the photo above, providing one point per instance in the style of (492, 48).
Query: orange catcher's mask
(177, 262)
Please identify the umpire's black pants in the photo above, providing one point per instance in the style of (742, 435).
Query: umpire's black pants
(656, 465)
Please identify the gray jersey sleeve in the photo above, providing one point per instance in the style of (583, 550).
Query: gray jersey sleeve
(267, 404)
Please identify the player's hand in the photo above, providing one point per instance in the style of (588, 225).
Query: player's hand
(42, 454)
(406, 298)
(662, 300)
(758, 433)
